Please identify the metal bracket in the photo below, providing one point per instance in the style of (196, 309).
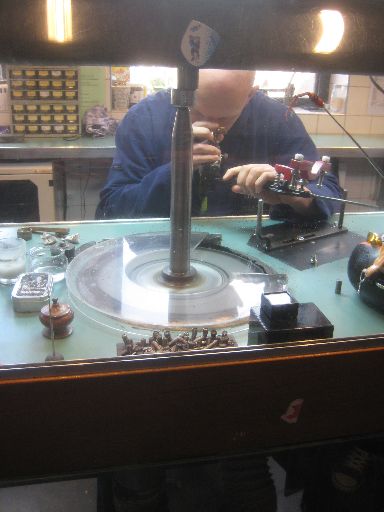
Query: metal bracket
(282, 235)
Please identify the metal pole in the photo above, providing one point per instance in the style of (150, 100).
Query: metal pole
(259, 217)
(179, 268)
(342, 210)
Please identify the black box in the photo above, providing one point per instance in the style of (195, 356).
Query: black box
(310, 324)
(280, 308)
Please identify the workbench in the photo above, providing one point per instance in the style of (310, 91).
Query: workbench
(95, 411)
(337, 146)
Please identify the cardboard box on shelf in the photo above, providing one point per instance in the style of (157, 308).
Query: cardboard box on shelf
(123, 97)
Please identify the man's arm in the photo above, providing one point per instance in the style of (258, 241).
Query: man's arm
(253, 180)
(138, 183)
(139, 180)
(287, 138)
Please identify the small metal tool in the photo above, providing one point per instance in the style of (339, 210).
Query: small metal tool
(49, 229)
(26, 231)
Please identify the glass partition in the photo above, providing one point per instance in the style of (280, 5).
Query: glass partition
(237, 242)
(210, 235)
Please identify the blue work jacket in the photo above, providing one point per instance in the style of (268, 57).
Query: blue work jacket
(139, 180)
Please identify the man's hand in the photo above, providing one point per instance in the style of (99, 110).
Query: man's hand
(251, 180)
(204, 150)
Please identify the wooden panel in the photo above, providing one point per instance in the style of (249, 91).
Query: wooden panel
(86, 422)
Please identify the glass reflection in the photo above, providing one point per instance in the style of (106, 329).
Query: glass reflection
(59, 20)
(332, 26)
(119, 283)
(125, 297)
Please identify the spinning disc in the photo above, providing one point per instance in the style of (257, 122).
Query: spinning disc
(121, 281)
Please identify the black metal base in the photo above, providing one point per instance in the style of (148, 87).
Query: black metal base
(310, 324)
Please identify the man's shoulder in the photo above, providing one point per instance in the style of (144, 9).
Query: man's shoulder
(161, 99)
(153, 108)
(264, 103)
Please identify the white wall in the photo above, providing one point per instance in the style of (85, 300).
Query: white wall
(357, 119)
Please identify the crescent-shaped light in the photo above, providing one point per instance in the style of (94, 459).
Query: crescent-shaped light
(332, 23)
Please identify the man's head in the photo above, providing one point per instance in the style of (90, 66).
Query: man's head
(222, 95)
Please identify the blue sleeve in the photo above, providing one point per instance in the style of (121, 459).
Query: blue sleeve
(293, 138)
(330, 188)
(138, 183)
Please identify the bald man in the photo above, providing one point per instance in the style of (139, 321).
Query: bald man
(238, 129)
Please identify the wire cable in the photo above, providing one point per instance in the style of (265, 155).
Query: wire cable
(375, 167)
(376, 84)
(320, 103)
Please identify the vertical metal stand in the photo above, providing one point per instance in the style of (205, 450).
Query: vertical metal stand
(342, 210)
(259, 217)
(179, 269)
(55, 356)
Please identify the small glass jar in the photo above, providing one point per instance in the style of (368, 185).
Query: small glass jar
(17, 84)
(31, 95)
(57, 84)
(12, 259)
(18, 107)
(71, 118)
(44, 84)
(57, 95)
(17, 95)
(58, 118)
(33, 129)
(70, 73)
(50, 259)
(43, 73)
(45, 107)
(71, 108)
(46, 129)
(16, 73)
(58, 107)
(30, 84)
(19, 128)
(19, 118)
(45, 94)
(71, 95)
(58, 128)
(72, 129)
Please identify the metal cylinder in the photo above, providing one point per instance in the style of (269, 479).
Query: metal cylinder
(181, 198)
(179, 269)
(342, 210)
(338, 287)
(259, 218)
